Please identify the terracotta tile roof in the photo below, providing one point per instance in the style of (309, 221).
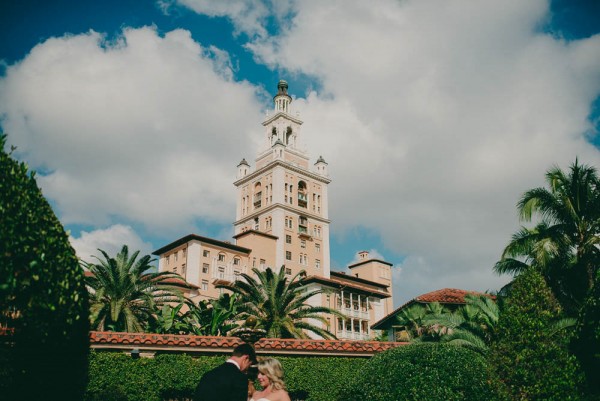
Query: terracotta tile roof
(208, 344)
(448, 296)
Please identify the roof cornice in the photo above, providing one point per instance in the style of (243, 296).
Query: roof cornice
(283, 115)
(284, 206)
(286, 165)
(194, 237)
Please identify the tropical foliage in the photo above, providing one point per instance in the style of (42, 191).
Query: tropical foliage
(529, 355)
(563, 245)
(279, 305)
(124, 295)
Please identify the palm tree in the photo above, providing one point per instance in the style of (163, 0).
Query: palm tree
(563, 245)
(413, 320)
(124, 296)
(279, 305)
(472, 325)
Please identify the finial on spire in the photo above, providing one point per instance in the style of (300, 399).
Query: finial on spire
(282, 100)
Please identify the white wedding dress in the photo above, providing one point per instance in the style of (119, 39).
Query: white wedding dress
(260, 399)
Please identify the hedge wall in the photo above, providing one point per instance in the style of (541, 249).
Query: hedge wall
(427, 371)
(118, 377)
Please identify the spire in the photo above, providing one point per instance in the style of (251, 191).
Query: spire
(282, 100)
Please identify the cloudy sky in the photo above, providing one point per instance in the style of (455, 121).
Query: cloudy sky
(434, 117)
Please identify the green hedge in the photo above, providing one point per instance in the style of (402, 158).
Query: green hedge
(427, 371)
(118, 377)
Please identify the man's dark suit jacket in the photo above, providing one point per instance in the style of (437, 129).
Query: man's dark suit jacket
(223, 383)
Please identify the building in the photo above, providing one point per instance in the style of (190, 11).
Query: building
(451, 298)
(282, 219)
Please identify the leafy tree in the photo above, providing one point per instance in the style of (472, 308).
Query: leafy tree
(124, 295)
(563, 245)
(215, 317)
(170, 320)
(279, 305)
(529, 357)
(43, 299)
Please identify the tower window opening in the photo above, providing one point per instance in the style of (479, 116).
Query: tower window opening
(302, 194)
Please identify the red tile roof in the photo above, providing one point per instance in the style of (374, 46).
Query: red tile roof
(208, 344)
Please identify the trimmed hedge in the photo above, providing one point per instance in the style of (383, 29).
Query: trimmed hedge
(42, 295)
(118, 377)
(426, 371)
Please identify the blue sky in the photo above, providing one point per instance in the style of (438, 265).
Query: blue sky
(433, 115)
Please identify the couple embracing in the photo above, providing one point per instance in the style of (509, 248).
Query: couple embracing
(229, 381)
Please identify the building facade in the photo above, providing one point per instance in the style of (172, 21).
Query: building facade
(282, 219)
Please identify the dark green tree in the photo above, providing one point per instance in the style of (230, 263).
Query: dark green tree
(564, 245)
(125, 295)
(279, 305)
(529, 356)
(42, 295)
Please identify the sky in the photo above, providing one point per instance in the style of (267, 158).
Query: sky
(435, 116)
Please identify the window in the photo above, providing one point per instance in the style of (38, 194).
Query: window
(168, 258)
(204, 285)
(317, 263)
(236, 261)
(175, 256)
(221, 257)
(318, 247)
(303, 243)
(288, 271)
(288, 255)
(183, 269)
(221, 272)
(262, 264)
(288, 239)
(206, 253)
(205, 268)
(183, 250)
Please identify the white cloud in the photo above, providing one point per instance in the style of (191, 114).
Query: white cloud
(110, 240)
(147, 128)
(435, 117)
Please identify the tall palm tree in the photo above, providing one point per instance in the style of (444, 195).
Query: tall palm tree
(563, 245)
(123, 295)
(279, 305)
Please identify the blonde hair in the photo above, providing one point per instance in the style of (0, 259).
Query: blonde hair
(271, 368)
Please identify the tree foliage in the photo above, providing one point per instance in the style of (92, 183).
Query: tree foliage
(531, 359)
(124, 295)
(42, 294)
(279, 305)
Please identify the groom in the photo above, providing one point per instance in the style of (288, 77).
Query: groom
(228, 382)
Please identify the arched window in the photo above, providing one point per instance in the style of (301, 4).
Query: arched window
(302, 194)
(273, 135)
(288, 135)
(257, 195)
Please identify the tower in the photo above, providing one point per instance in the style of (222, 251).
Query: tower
(283, 202)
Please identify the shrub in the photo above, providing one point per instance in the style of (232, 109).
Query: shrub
(42, 294)
(531, 361)
(117, 376)
(426, 371)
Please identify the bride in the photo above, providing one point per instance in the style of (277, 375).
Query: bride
(270, 377)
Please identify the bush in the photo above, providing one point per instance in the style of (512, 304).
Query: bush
(42, 295)
(117, 376)
(531, 361)
(427, 371)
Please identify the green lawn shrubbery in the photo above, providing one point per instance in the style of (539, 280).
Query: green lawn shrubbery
(118, 377)
(427, 371)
